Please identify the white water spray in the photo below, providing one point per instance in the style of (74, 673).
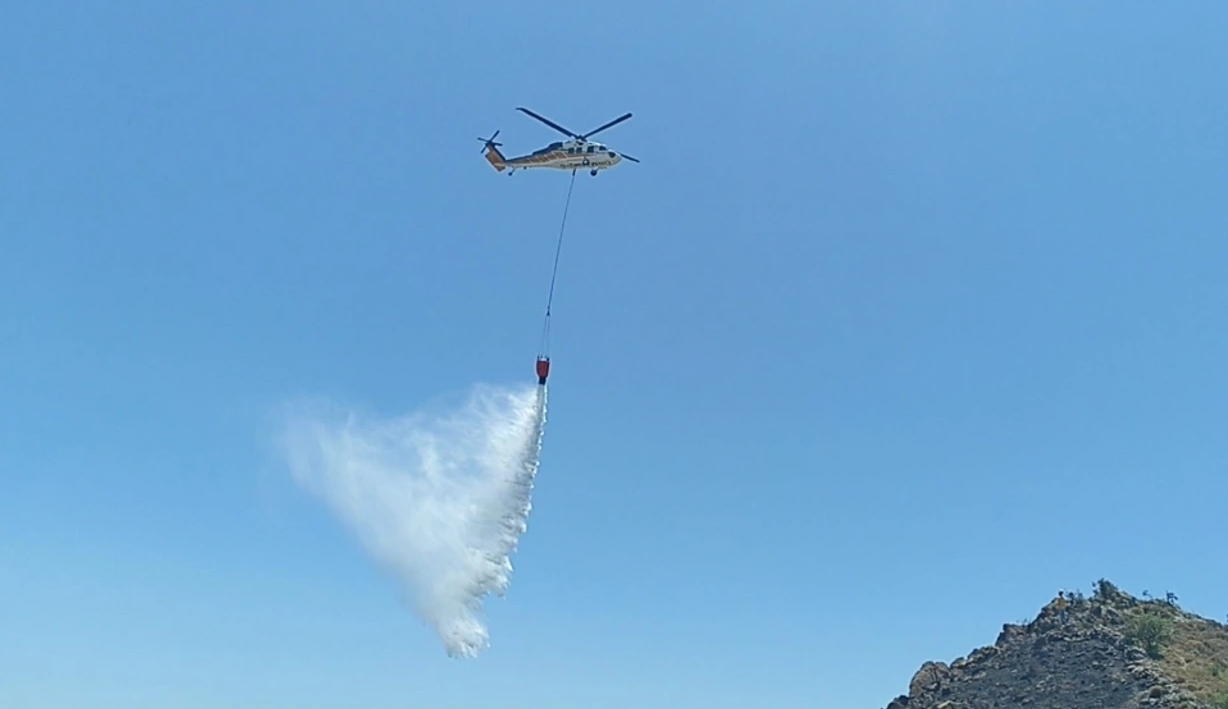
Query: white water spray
(440, 499)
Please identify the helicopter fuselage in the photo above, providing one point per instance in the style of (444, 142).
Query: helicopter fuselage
(566, 155)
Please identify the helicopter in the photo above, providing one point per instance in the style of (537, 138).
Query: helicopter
(571, 154)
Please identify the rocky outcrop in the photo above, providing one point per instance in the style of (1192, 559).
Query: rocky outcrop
(1081, 659)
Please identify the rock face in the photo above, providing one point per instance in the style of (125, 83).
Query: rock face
(1085, 658)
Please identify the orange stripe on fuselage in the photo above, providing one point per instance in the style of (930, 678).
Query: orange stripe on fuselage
(553, 156)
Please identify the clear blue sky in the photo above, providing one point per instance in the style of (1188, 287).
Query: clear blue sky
(913, 314)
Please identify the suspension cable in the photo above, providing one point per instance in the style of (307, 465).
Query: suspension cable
(545, 341)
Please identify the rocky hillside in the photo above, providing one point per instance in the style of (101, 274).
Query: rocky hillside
(1109, 651)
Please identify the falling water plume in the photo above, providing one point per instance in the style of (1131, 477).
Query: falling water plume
(441, 499)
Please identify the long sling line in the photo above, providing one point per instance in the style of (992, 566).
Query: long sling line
(545, 343)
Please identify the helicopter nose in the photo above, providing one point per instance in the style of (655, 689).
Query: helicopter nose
(615, 156)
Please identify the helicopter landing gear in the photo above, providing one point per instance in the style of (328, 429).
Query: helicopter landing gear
(593, 173)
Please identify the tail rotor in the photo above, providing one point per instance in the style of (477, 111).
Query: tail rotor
(490, 142)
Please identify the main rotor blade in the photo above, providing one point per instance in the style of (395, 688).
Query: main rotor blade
(628, 157)
(549, 122)
(614, 122)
